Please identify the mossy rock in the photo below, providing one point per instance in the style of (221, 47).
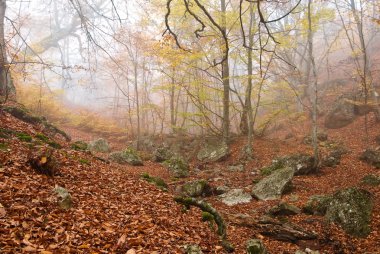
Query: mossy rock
(128, 156)
(255, 246)
(284, 209)
(64, 197)
(213, 152)
(352, 209)
(79, 146)
(100, 145)
(23, 114)
(371, 157)
(159, 182)
(162, 153)
(372, 180)
(177, 166)
(196, 188)
(301, 163)
(192, 249)
(317, 205)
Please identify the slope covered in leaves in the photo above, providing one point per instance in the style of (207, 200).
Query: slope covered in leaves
(112, 212)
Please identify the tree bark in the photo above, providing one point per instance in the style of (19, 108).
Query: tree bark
(226, 78)
(6, 86)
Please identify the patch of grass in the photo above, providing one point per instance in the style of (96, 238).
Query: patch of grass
(54, 144)
(6, 133)
(42, 137)
(3, 146)
(84, 161)
(159, 182)
(79, 146)
(24, 137)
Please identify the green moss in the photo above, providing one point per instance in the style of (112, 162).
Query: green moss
(6, 133)
(317, 205)
(79, 146)
(24, 137)
(159, 182)
(178, 166)
(3, 146)
(276, 164)
(207, 216)
(372, 180)
(84, 161)
(42, 137)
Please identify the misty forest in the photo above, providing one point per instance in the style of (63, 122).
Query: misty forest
(190, 126)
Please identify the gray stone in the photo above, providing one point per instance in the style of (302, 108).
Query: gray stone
(301, 163)
(317, 205)
(274, 185)
(213, 152)
(371, 157)
(284, 209)
(99, 145)
(372, 180)
(255, 246)
(162, 153)
(236, 168)
(221, 189)
(64, 197)
(193, 249)
(177, 166)
(196, 188)
(351, 208)
(128, 156)
(235, 196)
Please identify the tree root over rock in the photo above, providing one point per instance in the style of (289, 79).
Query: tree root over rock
(205, 207)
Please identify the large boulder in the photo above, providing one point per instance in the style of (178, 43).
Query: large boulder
(128, 156)
(351, 208)
(301, 164)
(100, 145)
(274, 185)
(235, 196)
(196, 188)
(346, 109)
(162, 153)
(213, 152)
(255, 246)
(334, 156)
(371, 180)
(371, 157)
(178, 166)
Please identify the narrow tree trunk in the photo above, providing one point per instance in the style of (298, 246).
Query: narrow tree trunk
(226, 79)
(315, 87)
(6, 86)
(137, 107)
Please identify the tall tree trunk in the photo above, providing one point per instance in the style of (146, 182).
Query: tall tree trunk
(226, 79)
(172, 102)
(137, 106)
(314, 87)
(6, 86)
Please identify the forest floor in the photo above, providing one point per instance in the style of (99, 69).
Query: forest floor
(114, 210)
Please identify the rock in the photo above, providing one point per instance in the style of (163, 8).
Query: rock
(236, 168)
(128, 156)
(162, 153)
(213, 152)
(255, 246)
(372, 157)
(177, 166)
(193, 249)
(284, 209)
(317, 205)
(221, 189)
(235, 196)
(196, 188)
(301, 164)
(321, 136)
(44, 161)
(346, 109)
(351, 208)
(64, 197)
(274, 185)
(79, 146)
(99, 145)
(334, 156)
(283, 231)
(372, 180)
